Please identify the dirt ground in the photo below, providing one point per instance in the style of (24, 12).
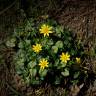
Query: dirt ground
(78, 15)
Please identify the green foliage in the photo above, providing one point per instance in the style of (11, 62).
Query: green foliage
(60, 40)
(11, 42)
(65, 72)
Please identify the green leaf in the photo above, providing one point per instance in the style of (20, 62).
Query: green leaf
(35, 80)
(28, 42)
(19, 65)
(66, 42)
(62, 64)
(56, 63)
(58, 35)
(19, 68)
(20, 55)
(75, 82)
(11, 42)
(20, 45)
(32, 64)
(43, 41)
(50, 42)
(73, 52)
(27, 80)
(76, 75)
(59, 44)
(19, 71)
(55, 49)
(71, 62)
(43, 72)
(57, 81)
(65, 73)
(33, 72)
(28, 26)
(20, 61)
(59, 29)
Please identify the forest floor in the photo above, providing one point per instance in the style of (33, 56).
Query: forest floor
(80, 17)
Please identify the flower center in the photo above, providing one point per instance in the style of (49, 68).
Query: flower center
(45, 30)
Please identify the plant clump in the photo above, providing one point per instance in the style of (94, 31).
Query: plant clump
(46, 49)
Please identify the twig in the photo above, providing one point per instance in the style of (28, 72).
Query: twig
(4, 10)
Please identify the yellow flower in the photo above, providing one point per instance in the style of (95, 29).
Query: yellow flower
(64, 57)
(78, 60)
(45, 29)
(43, 63)
(37, 48)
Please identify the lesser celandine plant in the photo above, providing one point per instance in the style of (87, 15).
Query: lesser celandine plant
(44, 49)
